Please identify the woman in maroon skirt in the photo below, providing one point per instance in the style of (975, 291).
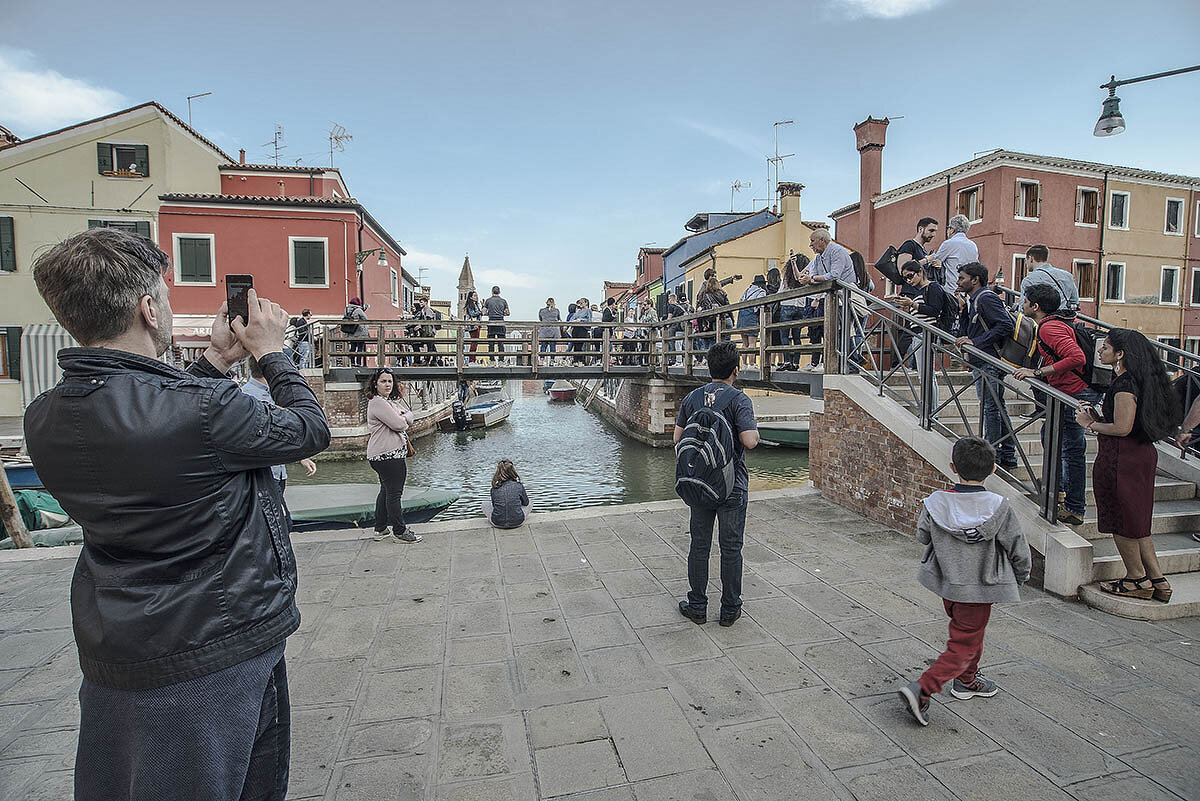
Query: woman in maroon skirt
(1138, 410)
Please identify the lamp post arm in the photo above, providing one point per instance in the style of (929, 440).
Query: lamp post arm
(1113, 83)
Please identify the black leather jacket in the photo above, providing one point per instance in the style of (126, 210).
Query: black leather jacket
(186, 566)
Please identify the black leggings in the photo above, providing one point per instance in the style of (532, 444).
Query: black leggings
(388, 511)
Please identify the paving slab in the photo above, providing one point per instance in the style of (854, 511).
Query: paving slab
(831, 727)
(575, 768)
(652, 736)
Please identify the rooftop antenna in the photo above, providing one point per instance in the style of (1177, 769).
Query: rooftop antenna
(736, 186)
(421, 276)
(276, 143)
(979, 153)
(778, 158)
(190, 98)
(338, 136)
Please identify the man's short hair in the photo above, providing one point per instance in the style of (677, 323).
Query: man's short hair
(1045, 296)
(959, 224)
(821, 233)
(976, 270)
(974, 458)
(1039, 253)
(924, 221)
(306, 313)
(94, 281)
(610, 302)
(722, 360)
(495, 290)
(254, 367)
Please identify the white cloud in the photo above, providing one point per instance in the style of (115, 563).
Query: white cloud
(434, 262)
(506, 279)
(738, 140)
(36, 100)
(883, 9)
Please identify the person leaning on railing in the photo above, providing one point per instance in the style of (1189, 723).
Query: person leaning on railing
(985, 323)
(792, 308)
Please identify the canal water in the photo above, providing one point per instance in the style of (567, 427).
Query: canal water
(567, 457)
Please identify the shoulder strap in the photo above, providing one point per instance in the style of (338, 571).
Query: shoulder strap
(1055, 280)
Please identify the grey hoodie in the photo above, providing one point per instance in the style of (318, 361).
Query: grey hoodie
(976, 550)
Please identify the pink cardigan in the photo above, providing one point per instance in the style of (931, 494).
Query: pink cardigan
(387, 423)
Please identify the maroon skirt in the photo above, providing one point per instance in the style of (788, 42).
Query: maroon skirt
(1123, 478)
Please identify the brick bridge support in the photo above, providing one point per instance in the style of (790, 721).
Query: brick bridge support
(644, 408)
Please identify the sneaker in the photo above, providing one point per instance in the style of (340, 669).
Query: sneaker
(980, 687)
(817, 369)
(408, 536)
(729, 620)
(380, 536)
(916, 702)
(1010, 465)
(1070, 518)
(686, 610)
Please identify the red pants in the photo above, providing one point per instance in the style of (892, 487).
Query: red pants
(960, 660)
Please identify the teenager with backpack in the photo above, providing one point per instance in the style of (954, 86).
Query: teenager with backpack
(985, 323)
(1062, 363)
(714, 428)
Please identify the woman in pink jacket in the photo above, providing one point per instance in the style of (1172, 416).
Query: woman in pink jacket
(387, 450)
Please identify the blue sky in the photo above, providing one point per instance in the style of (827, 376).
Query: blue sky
(549, 140)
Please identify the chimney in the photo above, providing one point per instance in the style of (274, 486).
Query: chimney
(242, 156)
(795, 236)
(870, 135)
(282, 191)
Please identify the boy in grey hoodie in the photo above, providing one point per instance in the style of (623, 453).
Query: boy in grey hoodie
(976, 555)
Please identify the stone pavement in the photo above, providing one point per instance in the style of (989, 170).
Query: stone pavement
(550, 662)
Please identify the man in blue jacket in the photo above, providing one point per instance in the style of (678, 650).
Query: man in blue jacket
(986, 323)
(184, 592)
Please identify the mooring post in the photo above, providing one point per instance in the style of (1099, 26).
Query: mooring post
(11, 515)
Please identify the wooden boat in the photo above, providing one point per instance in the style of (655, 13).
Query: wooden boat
(562, 392)
(22, 475)
(488, 410)
(319, 507)
(785, 433)
(486, 387)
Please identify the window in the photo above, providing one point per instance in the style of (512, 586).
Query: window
(1019, 270)
(139, 227)
(1171, 358)
(122, 161)
(194, 259)
(1087, 206)
(1195, 286)
(8, 246)
(1173, 222)
(1085, 278)
(1168, 293)
(395, 284)
(1027, 203)
(1114, 283)
(970, 202)
(309, 261)
(772, 264)
(1118, 210)
(10, 353)
(1192, 346)
(691, 299)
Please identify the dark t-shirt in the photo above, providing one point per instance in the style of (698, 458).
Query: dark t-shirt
(911, 248)
(1124, 383)
(607, 316)
(932, 301)
(739, 413)
(496, 307)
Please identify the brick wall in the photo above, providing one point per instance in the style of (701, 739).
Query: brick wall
(645, 409)
(856, 462)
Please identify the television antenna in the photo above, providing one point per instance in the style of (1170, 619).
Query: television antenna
(778, 159)
(276, 144)
(736, 186)
(190, 98)
(338, 136)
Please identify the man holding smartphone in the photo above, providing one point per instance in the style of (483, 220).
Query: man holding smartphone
(184, 593)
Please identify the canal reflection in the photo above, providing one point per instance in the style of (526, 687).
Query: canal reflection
(567, 457)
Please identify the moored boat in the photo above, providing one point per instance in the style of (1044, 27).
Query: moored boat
(488, 411)
(562, 391)
(319, 507)
(22, 475)
(784, 433)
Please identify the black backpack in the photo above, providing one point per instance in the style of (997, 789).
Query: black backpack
(704, 455)
(1095, 373)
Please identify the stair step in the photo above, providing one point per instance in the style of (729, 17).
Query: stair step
(1169, 517)
(1165, 489)
(1177, 553)
(1185, 600)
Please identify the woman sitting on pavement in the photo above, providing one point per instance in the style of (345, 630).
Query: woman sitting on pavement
(509, 506)
(1138, 410)
(387, 452)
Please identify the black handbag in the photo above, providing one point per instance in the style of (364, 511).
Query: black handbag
(886, 265)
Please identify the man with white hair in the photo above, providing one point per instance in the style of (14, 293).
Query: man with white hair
(832, 263)
(956, 250)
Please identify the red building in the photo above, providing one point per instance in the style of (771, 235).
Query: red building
(295, 229)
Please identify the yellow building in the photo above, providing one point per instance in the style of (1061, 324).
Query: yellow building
(758, 251)
(107, 171)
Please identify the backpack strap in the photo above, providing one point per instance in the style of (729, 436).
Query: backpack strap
(725, 397)
(1056, 283)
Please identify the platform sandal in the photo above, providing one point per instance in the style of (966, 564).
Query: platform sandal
(1162, 590)
(1128, 586)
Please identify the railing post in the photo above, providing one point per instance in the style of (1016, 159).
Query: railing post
(718, 327)
(533, 351)
(927, 379)
(1051, 457)
(381, 345)
(834, 311)
(687, 348)
(458, 349)
(764, 355)
(605, 347)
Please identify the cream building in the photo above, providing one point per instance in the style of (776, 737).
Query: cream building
(107, 171)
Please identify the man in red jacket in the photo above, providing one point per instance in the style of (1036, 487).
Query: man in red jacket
(1062, 363)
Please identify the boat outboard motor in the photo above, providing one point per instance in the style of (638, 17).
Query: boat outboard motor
(458, 413)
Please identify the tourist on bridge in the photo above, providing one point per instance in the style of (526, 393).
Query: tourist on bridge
(792, 308)
(1139, 409)
(914, 250)
(748, 318)
(696, 429)
(984, 323)
(474, 312)
(711, 298)
(929, 305)
(675, 309)
(509, 504)
(356, 331)
(302, 336)
(954, 252)
(1041, 271)
(832, 263)
(582, 333)
(497, 309)
(184, 594)
(648, 317)
(548, 335)
(975, 555)
(388, 421)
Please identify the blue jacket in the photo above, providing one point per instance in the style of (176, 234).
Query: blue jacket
(985, 320)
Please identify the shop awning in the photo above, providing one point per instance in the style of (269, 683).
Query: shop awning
(40, 345)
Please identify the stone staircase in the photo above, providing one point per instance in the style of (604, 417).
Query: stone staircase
(1175, 528)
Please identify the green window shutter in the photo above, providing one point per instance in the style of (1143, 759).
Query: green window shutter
(310, 262)
(143, 228)
(96, 224)
(13, 350)
(195, 260)
(8, 246)
(103, 157)
(142, 158)
(300, 262)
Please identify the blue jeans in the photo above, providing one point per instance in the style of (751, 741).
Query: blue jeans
(790, 336)
(1074, 455)
(995, 412)
(547, 347)
(731, 526)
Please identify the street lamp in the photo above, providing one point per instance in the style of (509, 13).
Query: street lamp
(1111, 122)
(362, 255)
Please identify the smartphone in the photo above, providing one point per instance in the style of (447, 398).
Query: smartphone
(1097, 412)
(237, 289)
